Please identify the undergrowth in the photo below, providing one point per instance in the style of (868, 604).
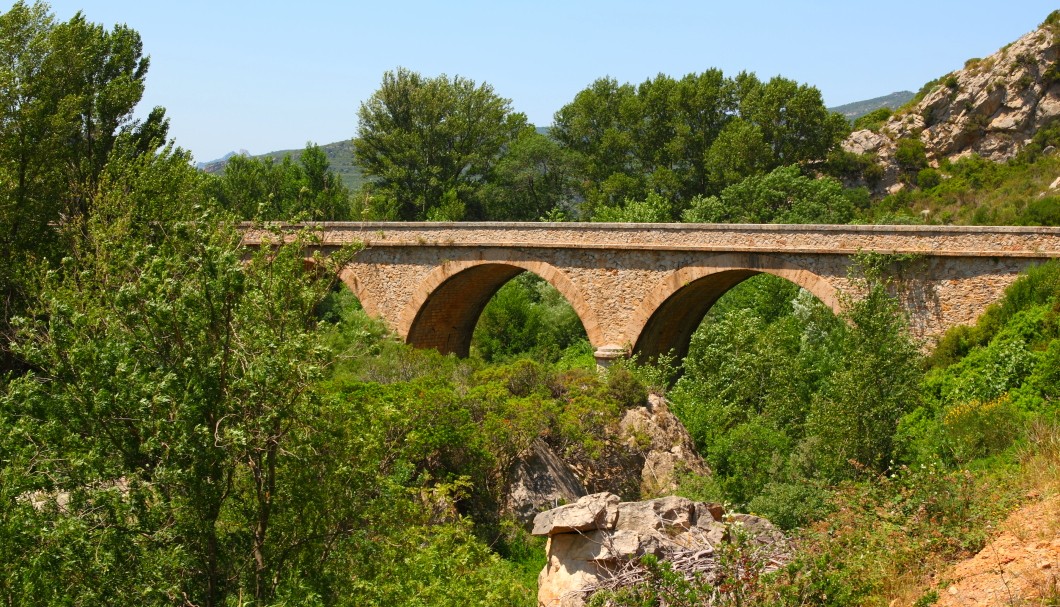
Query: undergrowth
(975, 191)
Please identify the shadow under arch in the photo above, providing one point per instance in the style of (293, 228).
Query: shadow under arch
(444, 310)
(678, 305)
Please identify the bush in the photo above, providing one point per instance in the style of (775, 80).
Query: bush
(791, 504)
(873, 120)
(977, 429)
(526, 317)
(842, 164)
(1041, 212)
(910, 155)
(747, 458)
(928, 178)
(624, 387)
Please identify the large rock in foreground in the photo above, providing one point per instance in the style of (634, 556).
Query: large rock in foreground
(592, 542)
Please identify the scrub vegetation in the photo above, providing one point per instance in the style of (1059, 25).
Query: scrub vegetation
(181, 425)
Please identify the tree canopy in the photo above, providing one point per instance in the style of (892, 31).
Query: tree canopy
(431, 144)
(692, 136)
(261, 188)
(67, 92)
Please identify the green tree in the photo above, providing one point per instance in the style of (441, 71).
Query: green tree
(420, 139)
(653, 209)
(595, 126)
(67, 91)
(694, 136)
(527, 317)
(784, 195)
(855, 416)
(647, 138)
(261, 188)
(534, 178)
(739, 152)
(791, 117)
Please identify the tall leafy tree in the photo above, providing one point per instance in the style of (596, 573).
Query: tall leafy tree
(169, 379)
(430, 144)
(791, 117)
(67, 91)
(535, 178)
(596, 125)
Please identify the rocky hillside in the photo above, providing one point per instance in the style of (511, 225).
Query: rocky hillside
(992, 107)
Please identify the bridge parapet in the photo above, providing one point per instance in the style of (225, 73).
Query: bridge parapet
(978, 241)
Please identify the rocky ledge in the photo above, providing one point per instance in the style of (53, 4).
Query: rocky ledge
(596, 543)
(643, 457)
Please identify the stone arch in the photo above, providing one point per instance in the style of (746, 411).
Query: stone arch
(446, 306)
(368, 301)
(349, 278)
(673, 311)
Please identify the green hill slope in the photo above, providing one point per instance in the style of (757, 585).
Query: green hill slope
(857, 109)
(339, 153)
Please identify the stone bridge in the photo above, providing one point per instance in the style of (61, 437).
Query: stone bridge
(644, 288)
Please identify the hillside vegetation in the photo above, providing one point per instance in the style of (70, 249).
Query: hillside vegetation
(185, 422)
(338, 153)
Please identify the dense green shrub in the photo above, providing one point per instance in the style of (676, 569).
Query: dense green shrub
(784, 195)
(874, 119)
(747, 457)
(526, 317)
(845, 165)
(976, 429)
(910, 155)
(1041, 212)
(928, 178)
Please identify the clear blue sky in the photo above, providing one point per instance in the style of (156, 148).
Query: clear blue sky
(271, 75)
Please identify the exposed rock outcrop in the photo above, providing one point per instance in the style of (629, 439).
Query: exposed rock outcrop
(666, 444)
(594, 543)
(541, 480)
(645, 455)
(992, 107)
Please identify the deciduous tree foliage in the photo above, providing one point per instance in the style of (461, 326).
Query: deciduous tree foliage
(783, 195)
(260, 188)
(168, 380)
(67, 91)
(534, 179)
(693, 136)
(431, 144)
(173, 441)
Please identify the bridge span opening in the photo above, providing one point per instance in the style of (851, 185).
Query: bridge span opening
(446, 316)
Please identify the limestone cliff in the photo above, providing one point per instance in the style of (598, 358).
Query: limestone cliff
(992, 107)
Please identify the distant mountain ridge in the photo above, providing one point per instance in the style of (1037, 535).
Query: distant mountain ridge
(857, 109)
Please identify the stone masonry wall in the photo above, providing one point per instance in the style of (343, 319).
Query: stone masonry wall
(617, 276)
